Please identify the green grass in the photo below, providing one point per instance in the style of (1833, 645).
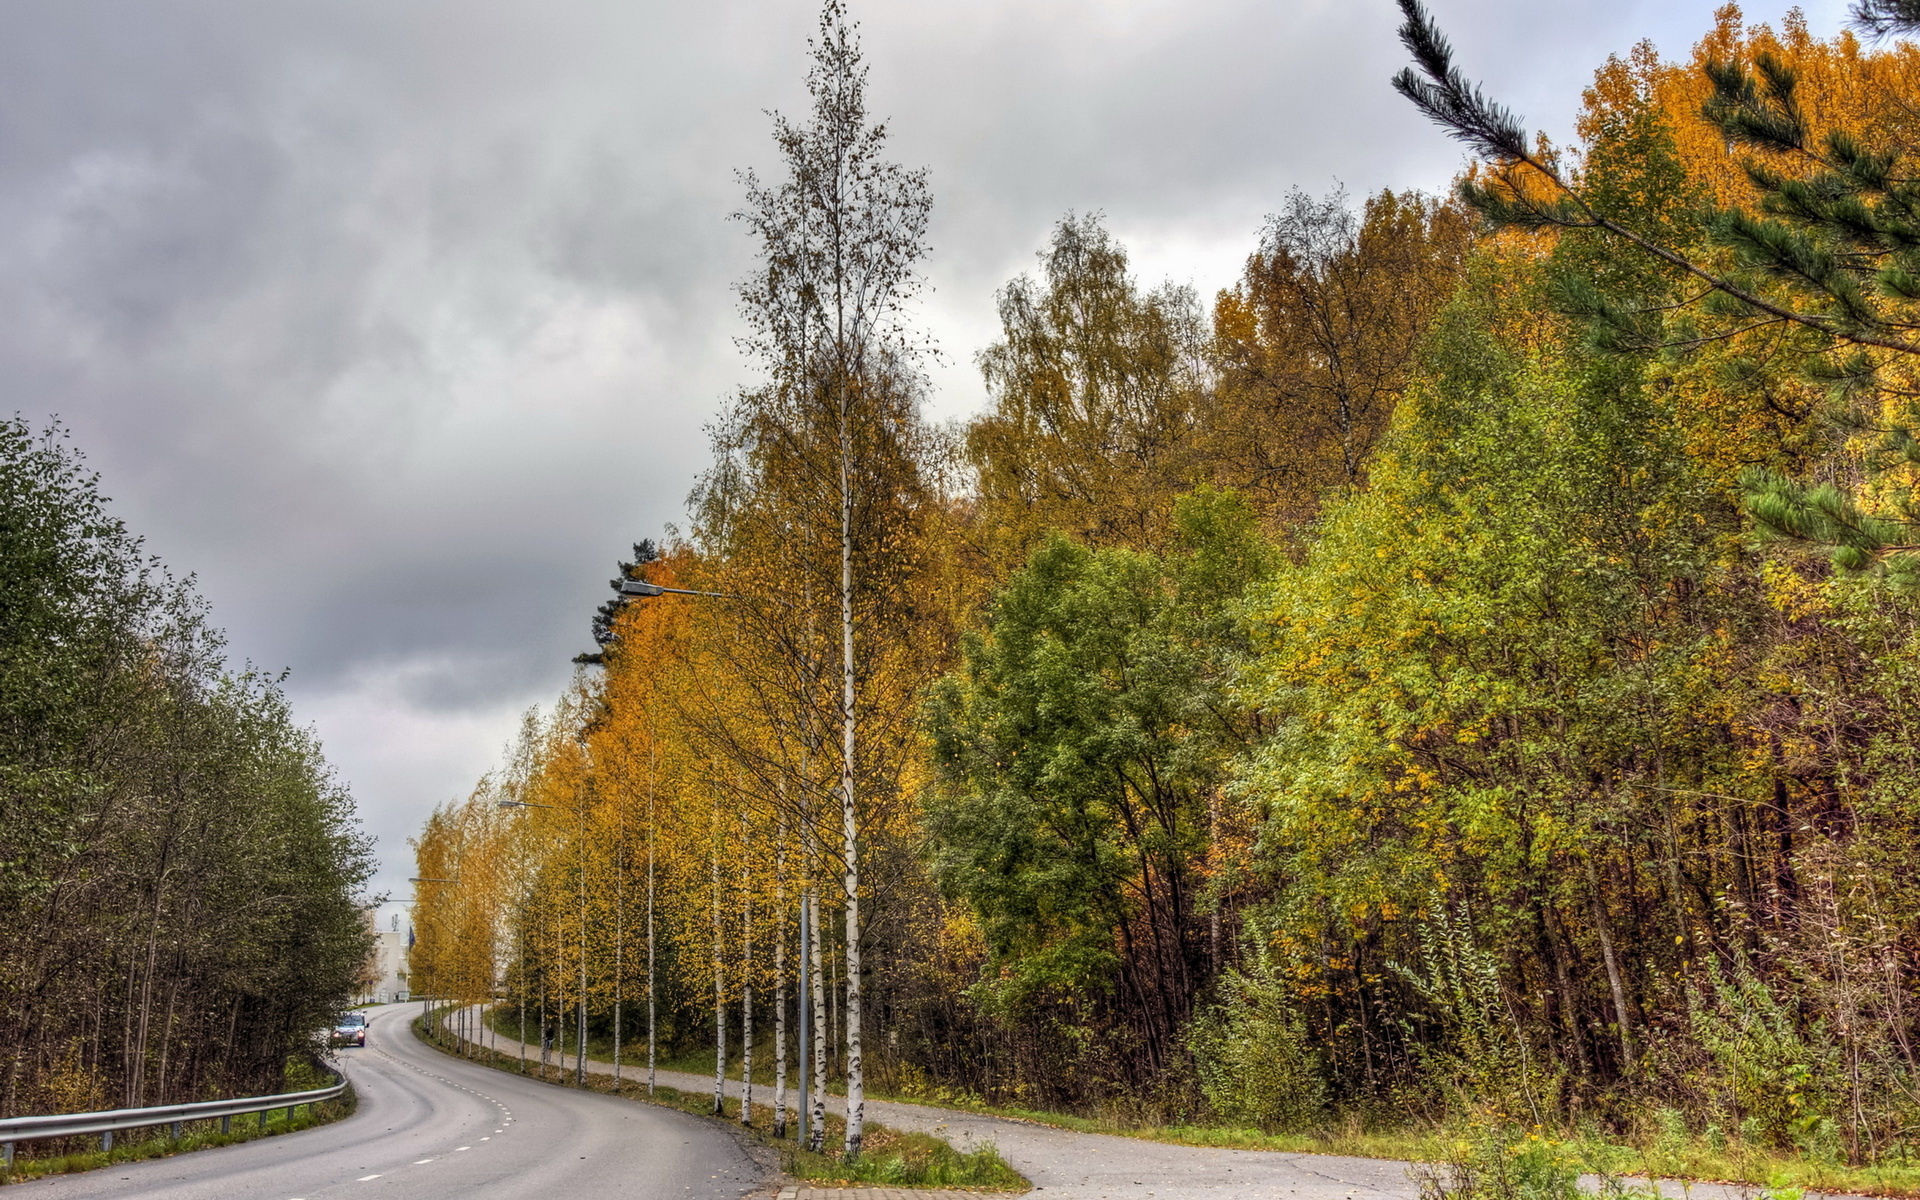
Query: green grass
(888, 1157)
(138, 1145)
(1690, 1159)
(1649, 1154)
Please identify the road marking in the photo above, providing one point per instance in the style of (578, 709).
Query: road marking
(365, 1178)
(422, 1162)
(486, 1139)
(458, 1149)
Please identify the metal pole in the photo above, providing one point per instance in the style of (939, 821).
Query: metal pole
(652, 1008)
(806, 1074)
(580, 1044)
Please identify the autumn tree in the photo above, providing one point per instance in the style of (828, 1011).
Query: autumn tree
(1316, 342)
(819, 488)
(1097, 389)
(1827, 255)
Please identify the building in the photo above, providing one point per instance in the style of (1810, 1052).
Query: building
(386, 973)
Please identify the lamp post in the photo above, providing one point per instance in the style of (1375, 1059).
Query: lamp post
(640, 588)
(580, 1042)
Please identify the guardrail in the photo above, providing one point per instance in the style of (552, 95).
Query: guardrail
(106, 1124)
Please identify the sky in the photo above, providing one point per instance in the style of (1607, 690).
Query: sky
(396, 322)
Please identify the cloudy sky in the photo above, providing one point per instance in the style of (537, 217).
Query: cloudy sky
(396, 321)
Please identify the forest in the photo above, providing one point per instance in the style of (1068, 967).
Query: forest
(1463, 672)
(180, 873)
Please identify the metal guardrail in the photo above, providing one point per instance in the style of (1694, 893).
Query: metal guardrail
(24, 1129)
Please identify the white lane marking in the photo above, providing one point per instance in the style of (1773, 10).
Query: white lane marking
(365, 1178)
(486, 1139)
(421, 1162)
(458, 1149)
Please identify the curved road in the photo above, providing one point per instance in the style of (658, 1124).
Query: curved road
(430, 1127)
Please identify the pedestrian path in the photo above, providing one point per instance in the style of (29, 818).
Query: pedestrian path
(1065, 1164)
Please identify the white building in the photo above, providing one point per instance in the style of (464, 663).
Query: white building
(387, 968)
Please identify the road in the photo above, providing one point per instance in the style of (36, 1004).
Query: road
(430, 1127)
(1068, 1165)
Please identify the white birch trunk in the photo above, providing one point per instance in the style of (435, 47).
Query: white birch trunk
(780, 983)
(746, 975)
(818, 1127)
(719, 973)
(652, 1008)
(849, 814)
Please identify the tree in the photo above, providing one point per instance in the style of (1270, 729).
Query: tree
(1079, 754)
(607, 615)
(1316, 342)
(1831, 250)
(179, 870)
(1097, 392)
(832, 442)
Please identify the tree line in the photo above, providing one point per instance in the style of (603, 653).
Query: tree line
(179, 870)
(1464, 667)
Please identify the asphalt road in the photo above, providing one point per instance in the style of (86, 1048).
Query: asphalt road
(1068, 1165)
(431, 1127)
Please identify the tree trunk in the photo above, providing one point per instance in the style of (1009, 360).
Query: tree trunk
(1614, 979)
(719, 971)
(780, 983)
(619, 931)
(818, 1127)
(746, 976)
(653, 1010)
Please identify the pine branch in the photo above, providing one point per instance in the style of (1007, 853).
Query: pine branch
(1438, 88)
(1884, 18)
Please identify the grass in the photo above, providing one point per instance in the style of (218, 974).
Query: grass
(195, 1135)
(1652, 1153)
(888, 1157)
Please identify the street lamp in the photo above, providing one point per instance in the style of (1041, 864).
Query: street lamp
(641, 588)
(580, 1043)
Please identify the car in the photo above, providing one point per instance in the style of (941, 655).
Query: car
(350, 1030)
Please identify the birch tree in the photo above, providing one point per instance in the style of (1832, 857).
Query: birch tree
(832, 441)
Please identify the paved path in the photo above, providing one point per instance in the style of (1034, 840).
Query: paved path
(1067, 1165)
(430, 1127)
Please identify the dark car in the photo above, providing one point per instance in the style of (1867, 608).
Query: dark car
(351, 1030)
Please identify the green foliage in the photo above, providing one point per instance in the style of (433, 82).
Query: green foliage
(1783, 1076)
(1251, 1049)
(1076, 755)
(176, 861)
(1482, 1057)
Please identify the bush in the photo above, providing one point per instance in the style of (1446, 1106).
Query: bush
(1504, 1163)
(1784, 1081)
(1251, 1052)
